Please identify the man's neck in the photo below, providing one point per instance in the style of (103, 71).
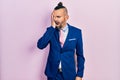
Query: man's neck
(64, 26)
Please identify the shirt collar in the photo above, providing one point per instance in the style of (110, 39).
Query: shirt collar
(65, 28)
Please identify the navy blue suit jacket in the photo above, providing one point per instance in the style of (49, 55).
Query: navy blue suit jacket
(65, 54)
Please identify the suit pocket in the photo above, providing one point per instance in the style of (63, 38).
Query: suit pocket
(72, 43)
(72, 39)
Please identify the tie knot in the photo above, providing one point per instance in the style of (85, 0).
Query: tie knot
(61, 30)
(62, 37)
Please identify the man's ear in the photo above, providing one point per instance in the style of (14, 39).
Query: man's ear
(67, 17)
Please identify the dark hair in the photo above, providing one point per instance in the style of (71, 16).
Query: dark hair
(59, 6)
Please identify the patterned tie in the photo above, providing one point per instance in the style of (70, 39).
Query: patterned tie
(62, 38)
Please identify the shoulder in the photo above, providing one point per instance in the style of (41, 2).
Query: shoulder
(75, 29)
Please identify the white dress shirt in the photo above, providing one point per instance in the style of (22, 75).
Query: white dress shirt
(65, 30)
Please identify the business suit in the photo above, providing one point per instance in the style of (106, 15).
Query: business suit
(73, 44)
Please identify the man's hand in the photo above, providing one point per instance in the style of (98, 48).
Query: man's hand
(52, 21)
(78, 78)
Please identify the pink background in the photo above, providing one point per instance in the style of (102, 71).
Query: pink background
(23, 22)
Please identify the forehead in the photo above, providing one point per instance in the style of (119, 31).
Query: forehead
(59, 12)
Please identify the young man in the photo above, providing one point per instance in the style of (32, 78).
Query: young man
(65, 40)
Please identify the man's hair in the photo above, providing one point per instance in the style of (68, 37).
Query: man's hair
(60, 6)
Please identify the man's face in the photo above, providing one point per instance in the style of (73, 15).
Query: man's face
(60, 17)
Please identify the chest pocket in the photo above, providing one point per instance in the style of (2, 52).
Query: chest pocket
(71, 43)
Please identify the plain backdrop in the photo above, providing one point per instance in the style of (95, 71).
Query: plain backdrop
(23, 22)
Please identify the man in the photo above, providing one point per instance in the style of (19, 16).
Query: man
(65, 40)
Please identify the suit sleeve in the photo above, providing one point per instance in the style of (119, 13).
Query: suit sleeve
(80, 56)
(44, 40)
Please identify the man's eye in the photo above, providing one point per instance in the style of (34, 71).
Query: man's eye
(58, 16)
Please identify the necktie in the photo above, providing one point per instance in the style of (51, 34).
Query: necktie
(62, 40)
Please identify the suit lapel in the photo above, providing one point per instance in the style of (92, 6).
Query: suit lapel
(57, 37)
(68, 36)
